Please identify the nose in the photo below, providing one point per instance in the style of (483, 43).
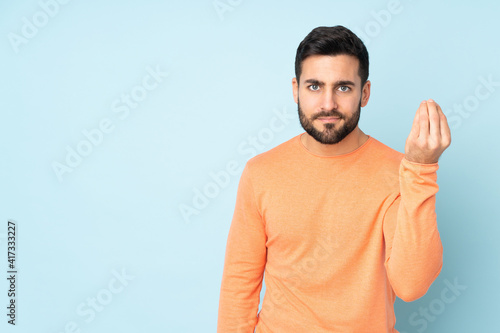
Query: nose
(328, 101)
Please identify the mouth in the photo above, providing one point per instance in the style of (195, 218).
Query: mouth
(328, 119)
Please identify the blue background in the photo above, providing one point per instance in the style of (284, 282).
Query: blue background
(230, 65)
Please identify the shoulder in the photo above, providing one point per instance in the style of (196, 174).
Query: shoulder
(385, 165)
(385, 154)
(276, 157)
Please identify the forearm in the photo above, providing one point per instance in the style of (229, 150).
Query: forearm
(239, 300)
(244, 264)
(416, 256)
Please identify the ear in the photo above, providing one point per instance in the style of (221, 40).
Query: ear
(365, 93)
(295, 87)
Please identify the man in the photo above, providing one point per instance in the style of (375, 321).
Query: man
(339, 222)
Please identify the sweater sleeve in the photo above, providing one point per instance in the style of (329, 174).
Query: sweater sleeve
(244, 263)
(414, 253)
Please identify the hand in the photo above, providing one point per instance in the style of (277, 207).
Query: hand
(429, 136)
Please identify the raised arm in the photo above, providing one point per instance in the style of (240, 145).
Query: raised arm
(414, 253)
(244, 264)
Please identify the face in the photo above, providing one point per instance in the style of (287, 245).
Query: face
(330, 96)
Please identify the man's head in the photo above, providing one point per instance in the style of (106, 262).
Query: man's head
(331, 81)
(333, 41)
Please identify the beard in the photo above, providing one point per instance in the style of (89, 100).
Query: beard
(333, 132)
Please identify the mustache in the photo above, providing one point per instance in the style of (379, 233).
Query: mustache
(332, 113)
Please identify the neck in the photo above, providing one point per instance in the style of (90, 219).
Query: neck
(350, 143)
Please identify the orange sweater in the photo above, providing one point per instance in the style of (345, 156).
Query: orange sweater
(337, 237)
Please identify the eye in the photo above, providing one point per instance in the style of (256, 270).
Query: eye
(344, 88)
(313, 87)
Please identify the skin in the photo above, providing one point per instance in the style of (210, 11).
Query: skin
(333, 83)
(429, 136)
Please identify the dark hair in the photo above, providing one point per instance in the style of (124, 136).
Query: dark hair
(332, 41)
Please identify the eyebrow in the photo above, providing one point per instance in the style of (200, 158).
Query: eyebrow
(337, 83)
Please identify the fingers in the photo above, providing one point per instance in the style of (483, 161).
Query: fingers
(434, 120)
(415, 127)
(423, 120)
(430, 134)
(445, 129)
